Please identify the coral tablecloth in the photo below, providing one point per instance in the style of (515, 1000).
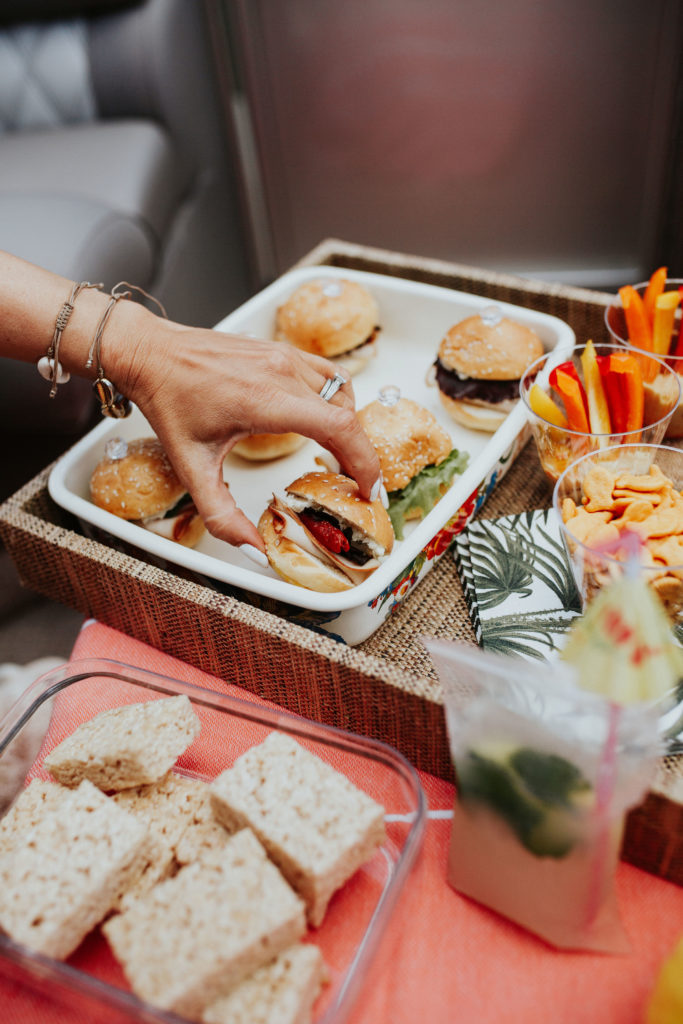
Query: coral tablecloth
(446, 959)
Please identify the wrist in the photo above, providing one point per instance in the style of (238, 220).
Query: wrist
(134, 344)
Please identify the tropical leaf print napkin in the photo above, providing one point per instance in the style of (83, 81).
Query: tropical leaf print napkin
(517, 582)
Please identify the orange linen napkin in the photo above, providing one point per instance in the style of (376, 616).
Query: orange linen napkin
(446, 960)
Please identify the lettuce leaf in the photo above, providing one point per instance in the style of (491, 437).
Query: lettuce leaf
(424, 490)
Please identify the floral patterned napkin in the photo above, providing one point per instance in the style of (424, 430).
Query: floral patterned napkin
(518, 583)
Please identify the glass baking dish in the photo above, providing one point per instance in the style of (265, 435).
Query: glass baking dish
(90, 984)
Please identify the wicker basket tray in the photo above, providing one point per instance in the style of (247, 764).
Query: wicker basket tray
(386, 688)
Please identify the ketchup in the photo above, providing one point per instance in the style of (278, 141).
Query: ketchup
(331, 537)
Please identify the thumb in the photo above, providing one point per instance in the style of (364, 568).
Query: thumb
(223, 518)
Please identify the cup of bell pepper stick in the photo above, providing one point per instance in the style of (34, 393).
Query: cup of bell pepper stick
(595, 397)
(649, 316)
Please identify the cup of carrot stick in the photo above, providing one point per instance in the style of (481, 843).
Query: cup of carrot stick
(649, 316)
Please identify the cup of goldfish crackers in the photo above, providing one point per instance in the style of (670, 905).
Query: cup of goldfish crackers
(621, 513)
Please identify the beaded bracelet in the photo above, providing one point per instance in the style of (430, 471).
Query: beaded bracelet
(49, 366)
(112, 402)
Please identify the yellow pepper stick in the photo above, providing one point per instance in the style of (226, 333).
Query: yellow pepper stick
(663, 322)
(598, 410)
(545, 407)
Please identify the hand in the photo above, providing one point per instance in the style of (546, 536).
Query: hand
(202, 390)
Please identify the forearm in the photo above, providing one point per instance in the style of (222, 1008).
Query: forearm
(30, 300)
(200, 390)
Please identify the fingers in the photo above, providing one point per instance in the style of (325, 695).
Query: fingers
(336, 427)
(230, 524)
(220, 514)
(295, 372)
(357, 458)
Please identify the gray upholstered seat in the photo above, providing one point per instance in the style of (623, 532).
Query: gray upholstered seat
(85, 177)
(115, 164)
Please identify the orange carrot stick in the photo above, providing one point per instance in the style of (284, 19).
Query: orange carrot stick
(639, 333)
(655, 288)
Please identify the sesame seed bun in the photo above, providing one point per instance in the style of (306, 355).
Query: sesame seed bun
(187, 530)
(499, 351)
(479, 362)
(263, 447)
(329, 317)
(474, 415)
(406, 437)
(141, 484)
(339, 496)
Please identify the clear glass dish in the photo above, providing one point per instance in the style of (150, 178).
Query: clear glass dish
(90, 985)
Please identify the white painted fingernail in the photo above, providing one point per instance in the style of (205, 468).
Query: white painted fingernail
(254, 554)
(384, 496)
(374, 493)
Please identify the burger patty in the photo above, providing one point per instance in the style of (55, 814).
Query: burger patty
(459, 388)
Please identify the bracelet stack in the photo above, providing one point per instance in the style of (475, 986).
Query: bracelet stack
(112, 402)
(49, 365)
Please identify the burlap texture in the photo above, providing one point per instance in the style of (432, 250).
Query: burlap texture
(385, 688)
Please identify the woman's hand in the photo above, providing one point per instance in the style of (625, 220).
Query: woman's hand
(202, 390)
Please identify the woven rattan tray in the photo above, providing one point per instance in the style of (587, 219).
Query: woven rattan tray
(385, 688)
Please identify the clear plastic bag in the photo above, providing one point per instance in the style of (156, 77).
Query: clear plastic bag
(545, 773)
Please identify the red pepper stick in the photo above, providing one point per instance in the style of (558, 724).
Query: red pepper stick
(611, 383)
(624, 371)
(678, 347)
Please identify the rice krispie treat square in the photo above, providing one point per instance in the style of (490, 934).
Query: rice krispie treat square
(128, 746)
(281, 992)
(315, 824)
(67, 868)
(193, 937)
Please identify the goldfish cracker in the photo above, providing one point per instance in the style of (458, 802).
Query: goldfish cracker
(666, 1001)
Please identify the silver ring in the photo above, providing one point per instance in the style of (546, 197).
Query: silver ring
(331, 386)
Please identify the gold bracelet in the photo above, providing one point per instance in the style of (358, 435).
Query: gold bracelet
(49, 366)
(112, 402)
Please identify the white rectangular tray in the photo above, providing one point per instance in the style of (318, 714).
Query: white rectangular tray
(414, 317)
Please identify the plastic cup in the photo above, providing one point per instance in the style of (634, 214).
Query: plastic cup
(615, 321)
(592, 565)
(559, 447)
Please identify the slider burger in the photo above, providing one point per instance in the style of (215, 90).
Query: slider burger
(331, 317)
(416, 454)
(479, 365)
(322, 535)
(135, 481)
(264, 447)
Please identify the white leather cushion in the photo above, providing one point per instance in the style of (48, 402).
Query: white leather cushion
(77, 238)
(129, 166)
